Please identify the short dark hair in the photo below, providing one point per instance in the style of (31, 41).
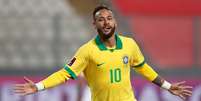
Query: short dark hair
(98, 8)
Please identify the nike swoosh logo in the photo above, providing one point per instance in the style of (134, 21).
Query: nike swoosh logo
(100, 64)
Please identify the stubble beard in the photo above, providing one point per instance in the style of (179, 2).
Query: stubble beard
(106, 36)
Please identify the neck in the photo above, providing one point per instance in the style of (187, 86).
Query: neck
(111, 42)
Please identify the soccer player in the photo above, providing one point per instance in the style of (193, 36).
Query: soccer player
(105, 62)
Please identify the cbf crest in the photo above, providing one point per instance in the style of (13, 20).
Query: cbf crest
(125, 60)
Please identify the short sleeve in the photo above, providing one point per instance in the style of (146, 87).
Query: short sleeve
(78, 63)
(137, 58)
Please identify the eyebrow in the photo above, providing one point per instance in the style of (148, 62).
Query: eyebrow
(110, 16)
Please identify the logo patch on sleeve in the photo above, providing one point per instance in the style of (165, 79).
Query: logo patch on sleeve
(72, 61)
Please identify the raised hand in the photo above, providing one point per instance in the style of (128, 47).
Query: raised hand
(26, 88)
(181, 90)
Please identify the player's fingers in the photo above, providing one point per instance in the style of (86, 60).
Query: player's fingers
(28, 80)
(19, 91)
(19, 85)
(187, 91)
(187, 94)
(23, 94)
(182, 97)
(180, 83)
(18, 88)
(26, 93)
(186, 87)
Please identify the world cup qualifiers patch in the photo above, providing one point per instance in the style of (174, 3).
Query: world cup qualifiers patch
(72, 61)
(125, 59)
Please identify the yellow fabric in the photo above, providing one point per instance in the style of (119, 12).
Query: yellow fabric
(56, 78)
(137, 57)
(147, 72)
(107, 71)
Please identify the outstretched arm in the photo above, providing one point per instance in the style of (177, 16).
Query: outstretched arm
(178, 89)
(78, 63)
(137, 61)
(53, 80)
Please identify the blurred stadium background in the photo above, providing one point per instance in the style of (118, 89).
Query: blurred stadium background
(37, 37)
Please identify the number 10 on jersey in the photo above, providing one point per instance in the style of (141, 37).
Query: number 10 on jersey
(115, 75)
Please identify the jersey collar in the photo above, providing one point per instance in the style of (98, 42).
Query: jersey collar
(101, 45)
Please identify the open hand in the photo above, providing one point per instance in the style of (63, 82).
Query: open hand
(181, 90)
(26, 88)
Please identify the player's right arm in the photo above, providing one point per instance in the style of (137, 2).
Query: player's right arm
(53, 80)
(70, 70)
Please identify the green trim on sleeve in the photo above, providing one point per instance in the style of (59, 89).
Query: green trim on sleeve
(140, 65)
(71, 73)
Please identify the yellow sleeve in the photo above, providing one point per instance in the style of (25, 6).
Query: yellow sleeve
(146, 71)
(56, 78)
(137, 59)
(137, 62)
(70, 70)
(78, 63)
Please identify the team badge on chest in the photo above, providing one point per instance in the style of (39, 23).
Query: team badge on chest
(125, 59)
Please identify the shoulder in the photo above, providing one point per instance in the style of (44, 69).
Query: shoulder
(124, 37)
(86, 46)
(129, 42)
(127, 39)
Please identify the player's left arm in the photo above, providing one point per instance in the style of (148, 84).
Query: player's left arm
(137, 62)
(178, 89)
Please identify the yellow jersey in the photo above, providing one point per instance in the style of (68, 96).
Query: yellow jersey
(107, 70)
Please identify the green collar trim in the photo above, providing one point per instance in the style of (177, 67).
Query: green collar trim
(118, 42)
(101, 45)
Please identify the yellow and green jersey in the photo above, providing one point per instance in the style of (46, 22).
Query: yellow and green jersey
(106, 70)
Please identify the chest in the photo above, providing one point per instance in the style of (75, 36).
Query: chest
(111, 67)
(110, 59)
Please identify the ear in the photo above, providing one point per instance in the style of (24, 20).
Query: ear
(115, 23)
(94, 24)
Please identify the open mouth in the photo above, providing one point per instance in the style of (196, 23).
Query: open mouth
(107, 29)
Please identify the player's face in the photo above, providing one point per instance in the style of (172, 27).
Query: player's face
(105, 23)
